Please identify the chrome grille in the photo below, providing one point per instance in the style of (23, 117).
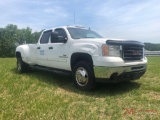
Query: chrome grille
(132, 52)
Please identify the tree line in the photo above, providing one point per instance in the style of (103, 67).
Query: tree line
(11, 36)
(152, 47)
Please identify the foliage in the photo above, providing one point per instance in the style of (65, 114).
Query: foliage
(49, 96)
(152, 47)
(10, 36)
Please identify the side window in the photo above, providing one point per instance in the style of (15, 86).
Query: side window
(45, 37)
(61, 34)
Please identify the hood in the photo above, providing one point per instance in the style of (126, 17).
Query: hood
(99, 40)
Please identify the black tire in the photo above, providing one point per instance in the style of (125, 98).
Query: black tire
(22, 66)
(83, 76)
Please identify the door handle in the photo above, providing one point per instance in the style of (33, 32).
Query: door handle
(38, 47)
(50, 47)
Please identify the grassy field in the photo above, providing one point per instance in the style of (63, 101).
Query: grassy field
(48, 96)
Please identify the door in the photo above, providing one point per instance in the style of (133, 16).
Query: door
(42, 48)
(58, 55)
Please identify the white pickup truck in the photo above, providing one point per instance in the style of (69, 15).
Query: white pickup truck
(84, 53)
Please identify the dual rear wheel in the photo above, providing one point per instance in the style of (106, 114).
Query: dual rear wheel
(22, 66)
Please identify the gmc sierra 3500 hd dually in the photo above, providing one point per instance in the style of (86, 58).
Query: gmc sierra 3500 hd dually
(88, 56)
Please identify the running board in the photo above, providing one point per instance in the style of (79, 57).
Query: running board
(58, 71)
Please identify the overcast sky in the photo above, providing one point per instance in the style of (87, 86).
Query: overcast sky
(127, 19)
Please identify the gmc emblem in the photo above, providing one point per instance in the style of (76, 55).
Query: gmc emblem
(136, 52)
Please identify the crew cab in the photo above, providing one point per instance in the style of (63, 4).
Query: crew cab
(84, 53)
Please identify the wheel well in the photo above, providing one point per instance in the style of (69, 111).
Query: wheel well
(77, 57)
(18, 55)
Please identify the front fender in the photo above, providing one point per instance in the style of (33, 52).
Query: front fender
(91, 49)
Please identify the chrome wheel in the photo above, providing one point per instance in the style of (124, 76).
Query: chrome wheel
(84, 76)
(81, 76)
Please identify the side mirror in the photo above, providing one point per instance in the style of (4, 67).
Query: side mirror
(57, 39)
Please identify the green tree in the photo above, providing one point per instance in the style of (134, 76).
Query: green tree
(7, 40)
(152, 47)
(11, 35)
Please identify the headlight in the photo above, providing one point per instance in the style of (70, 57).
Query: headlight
(105, 51)
(114, 50)
(111, 50)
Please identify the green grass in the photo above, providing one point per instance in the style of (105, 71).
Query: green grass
(42, 95)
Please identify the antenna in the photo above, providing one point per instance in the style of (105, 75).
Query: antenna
(74, 19)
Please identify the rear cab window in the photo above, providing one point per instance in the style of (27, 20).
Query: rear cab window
(45, 37)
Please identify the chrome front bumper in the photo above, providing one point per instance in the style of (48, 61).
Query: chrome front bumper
(118, 74)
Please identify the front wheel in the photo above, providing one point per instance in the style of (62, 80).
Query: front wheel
(84, 76)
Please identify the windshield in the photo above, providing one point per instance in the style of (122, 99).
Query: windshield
(77, 33)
